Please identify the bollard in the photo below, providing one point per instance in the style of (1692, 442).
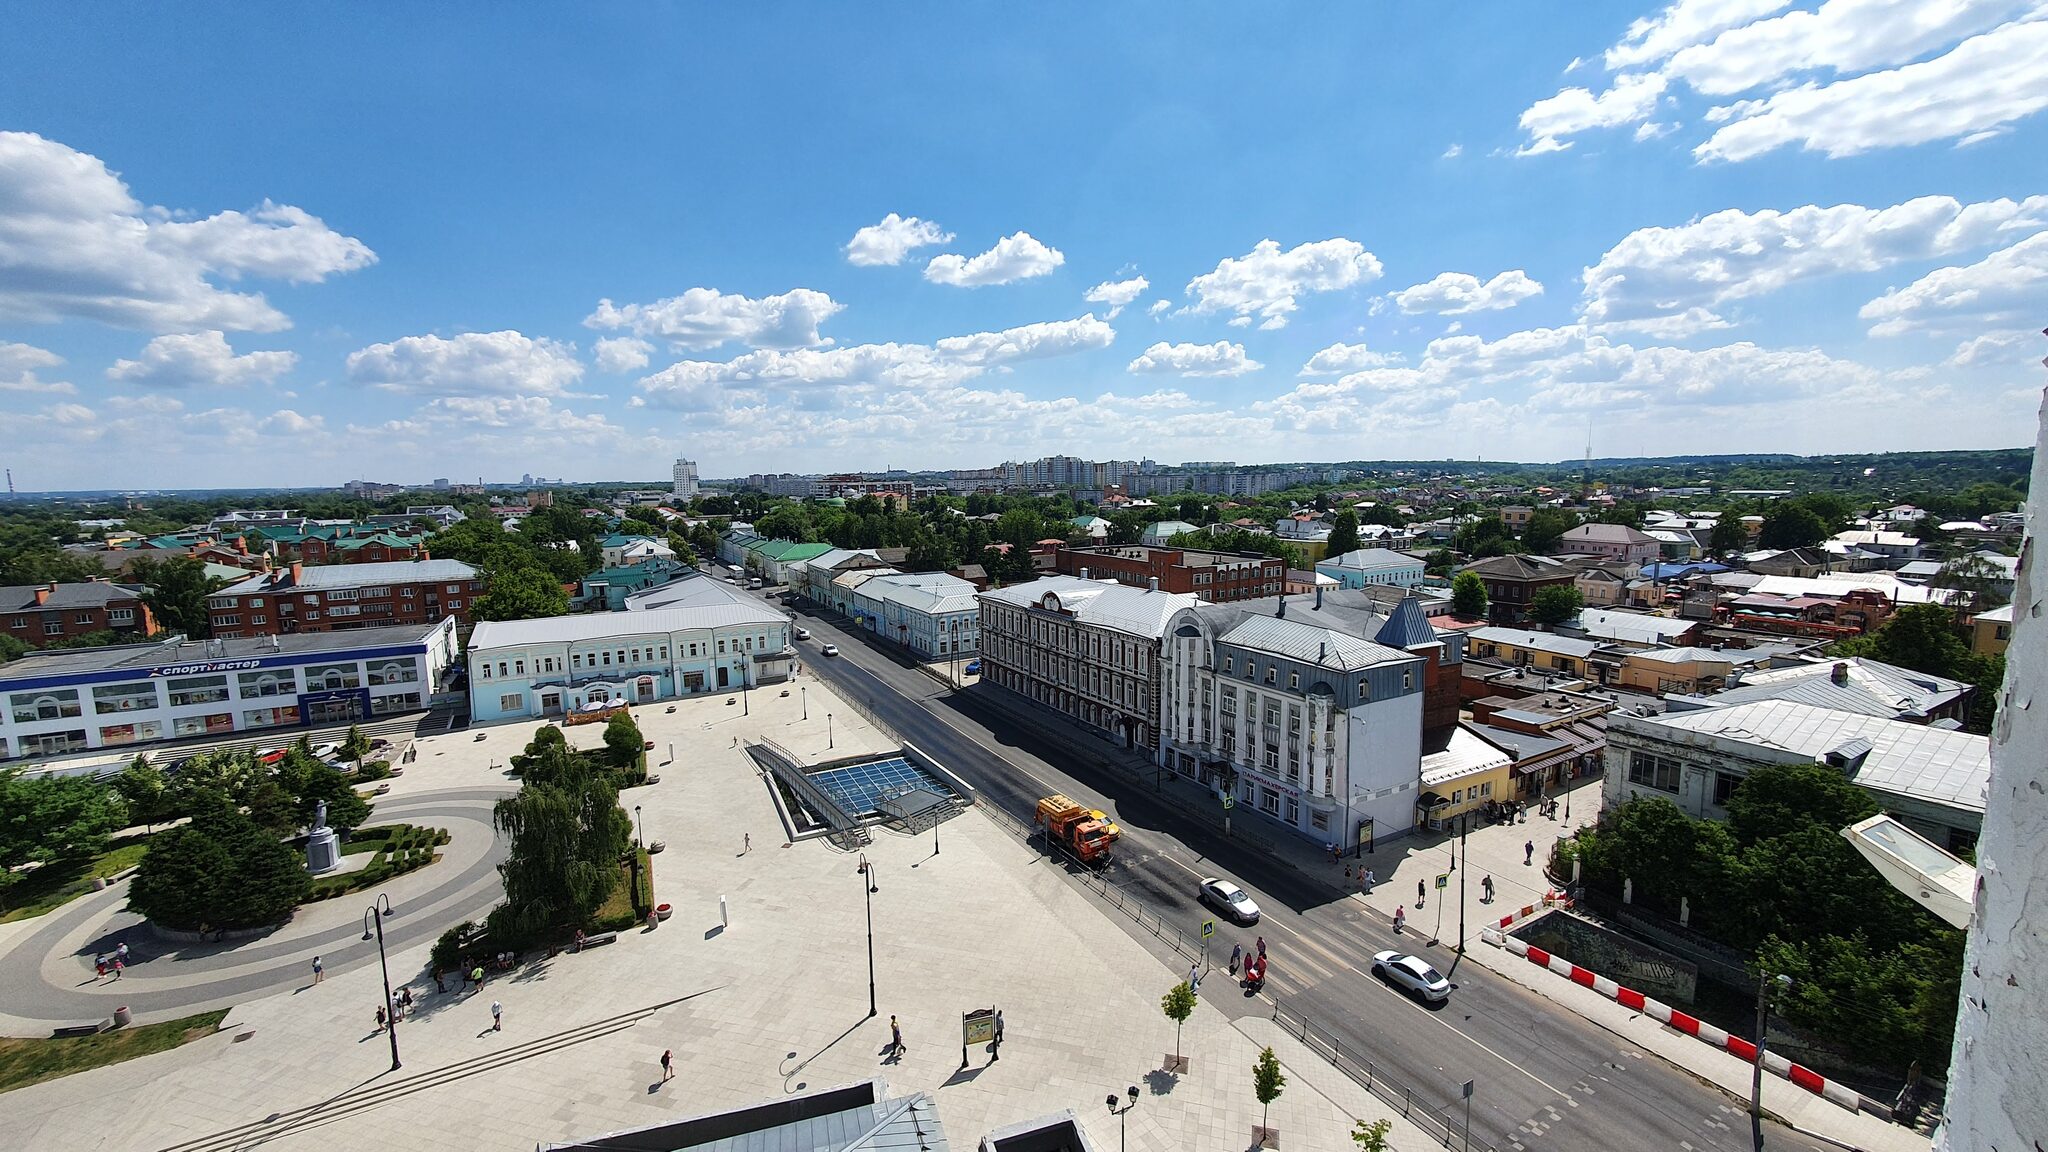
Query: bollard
(723, 922)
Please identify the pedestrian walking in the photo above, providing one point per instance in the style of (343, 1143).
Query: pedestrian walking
(1400, 917)
(476, 976)
(1421, 894)
(1195, 976)
(1236, 954)
(381, 1017)
(319, 971)
(668, 1072)
(397, 1009)
(121, 952)
(99, 963)
(746, 843)
(1528, 853)
(405, 998)
(118, 965)
(999, 1027)
(1262, 947)
(497, 1016)
(896, 1044)
(1486, 889)
(1371, 880)
(438, 985)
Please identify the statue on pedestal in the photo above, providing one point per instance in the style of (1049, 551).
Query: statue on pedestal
(323, 847)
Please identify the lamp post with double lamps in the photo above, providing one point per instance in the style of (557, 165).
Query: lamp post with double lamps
(1120, 1113)
(377, 911)
(868, 890)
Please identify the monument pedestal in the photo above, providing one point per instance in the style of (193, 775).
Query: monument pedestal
(323, 851)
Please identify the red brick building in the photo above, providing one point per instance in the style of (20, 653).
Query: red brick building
(1215, 576)
(383, 548)
(336, 597)
(38, 614)
(1513, 581)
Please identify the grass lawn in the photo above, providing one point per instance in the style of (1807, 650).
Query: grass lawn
(25, 1062)
(46, 888)
(618, 909)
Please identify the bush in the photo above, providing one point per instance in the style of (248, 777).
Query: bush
(374, 770)
(447, 950)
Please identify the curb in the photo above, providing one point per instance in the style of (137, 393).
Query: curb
(1736, 1046)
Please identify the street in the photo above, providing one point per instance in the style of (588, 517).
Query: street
(1543, 1077)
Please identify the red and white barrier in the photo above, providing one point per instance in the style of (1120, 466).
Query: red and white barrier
(1551, 899)
(1664, 1013)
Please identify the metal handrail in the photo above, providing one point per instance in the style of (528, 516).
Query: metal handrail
(1390, 1091)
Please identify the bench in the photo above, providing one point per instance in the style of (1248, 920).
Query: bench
(72, 1030)
(600, 939)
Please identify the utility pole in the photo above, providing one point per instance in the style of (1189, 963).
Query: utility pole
(1464, 824)
(1764, 981)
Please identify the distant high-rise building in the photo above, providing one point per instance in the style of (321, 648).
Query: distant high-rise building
(685, 479)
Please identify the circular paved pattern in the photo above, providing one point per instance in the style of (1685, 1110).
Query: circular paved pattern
(47, 977)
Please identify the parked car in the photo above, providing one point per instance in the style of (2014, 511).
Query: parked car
(1411, 974)
(831, 649)
(974, 667)
(1230, 900)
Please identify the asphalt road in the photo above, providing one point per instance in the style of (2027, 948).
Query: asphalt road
(1543, 1078)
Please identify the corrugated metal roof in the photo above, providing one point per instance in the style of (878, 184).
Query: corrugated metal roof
(1632, 627)
(1464, 754)
(1873, 688)
(1104, 604)
(603, 625)
(353, 576)
(1537, 641)
(1311, 644)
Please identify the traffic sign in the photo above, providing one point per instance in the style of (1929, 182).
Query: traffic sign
(1443, 880)
(1229, 801)
(1208, 928)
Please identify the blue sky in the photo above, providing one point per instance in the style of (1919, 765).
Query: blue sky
(244, 247)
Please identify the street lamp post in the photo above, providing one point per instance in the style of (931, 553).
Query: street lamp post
(377, 911)
(640, 828)
(1119, 1113)
(1765, 981)
(803, 693)
(828, 730)
(868, 890)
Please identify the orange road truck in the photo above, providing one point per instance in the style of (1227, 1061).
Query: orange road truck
(1075, 828)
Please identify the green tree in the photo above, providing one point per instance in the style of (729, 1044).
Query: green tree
(210, 780)
(521, 594)
(1974, 583)
(567, 837)
(623, 741)
(178, 878)
(633, 526)
(355, 746)
(12, 648)
(176, 592)
(1484, 537)
(1556, 604)
(1782, 798)
(789, 522)
(273, 809)
(220, 871)
(1178, 1004)
(1343, 533)
(1267, 1082)
(1546, 529)
(1790, 525)
(144, 791)
(680, 545)
(48, 819)
(1468, 594)
(1728, 537)
(346, 809)
(1372, 1137)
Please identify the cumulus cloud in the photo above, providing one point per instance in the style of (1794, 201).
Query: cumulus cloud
(1454, 151)
(2006, 287)
(1681, 25)
(1346, 358)
(285, 422)
(893, 239)
(1993, 348)
(78, 245)
(1219, 359)
(622, 353)
(1679, 276)
(1982, 86)
(706, 318)
(1457, 293)
(19, 365)
(1575, 110)
(1841, 36)
(1019, 256)
(811, 374)
(1265, 282)
(1158, 308)
(473, 364)
(199, 360)
(1118, 294)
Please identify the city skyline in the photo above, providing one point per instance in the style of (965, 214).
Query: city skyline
(1126, 233)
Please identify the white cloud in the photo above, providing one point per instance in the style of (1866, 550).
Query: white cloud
(1986, 83)
(621, 353)
(285, 422)
(1346, 358)
(836, 374)
(1158, 308)
(706, 318)
(1118, 294)
(79, 246)
(1219, 359)
(1458, 293)
(1652, 130)
(2003, 288)
(1681, 25)
(19, 364)
(1264, 282)
(1575, 110)
(1029, 342)
(1993, 348)
(1845, 37)
(1454, 151)
(1019, 256)
(1680, 275)
(199, 360)
(893, 239)
(473, 364)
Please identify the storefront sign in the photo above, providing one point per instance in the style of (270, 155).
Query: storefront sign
(214, 666)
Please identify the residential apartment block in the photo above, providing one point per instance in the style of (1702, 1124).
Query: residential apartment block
(1513, 581)
(340, 597)
(39, 614)
(1614, 541)
(1209, 575)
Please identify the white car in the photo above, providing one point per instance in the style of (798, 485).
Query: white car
(831, 649)
(1230, 900)
(803, 633)
(1411, 974)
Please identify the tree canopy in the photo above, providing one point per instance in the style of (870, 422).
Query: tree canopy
(1556, 604)
(220, 871)
(177, 592)
(521, 594)
(46, 819)
(1343, 533)
(1468, 594)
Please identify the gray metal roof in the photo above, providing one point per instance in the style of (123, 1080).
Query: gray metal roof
(1873, 688)
(1632, 627)
(178, 650)
(1537, 641)
(1104, 604)
(1463, 754)
(493, 634)
(82, 594)
(1311, 644)
(1407, 627)
(352, 576)
(1372, 560)
(693, 589)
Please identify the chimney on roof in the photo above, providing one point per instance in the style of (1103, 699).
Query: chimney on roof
(1322, 650)
(1151, 583)
(1084, 573)
(1840, 673)
(1280, 613)
(298, 570)
(43, 594)
(1319, 597)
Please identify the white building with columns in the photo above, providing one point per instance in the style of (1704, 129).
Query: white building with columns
(1296, 712)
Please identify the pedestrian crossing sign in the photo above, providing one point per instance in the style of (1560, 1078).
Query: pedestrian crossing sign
(1229, 801)
(1443, 880)
(1208, 928)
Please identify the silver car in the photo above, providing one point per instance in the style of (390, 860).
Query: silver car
(1411, 974)
(1230, 900)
